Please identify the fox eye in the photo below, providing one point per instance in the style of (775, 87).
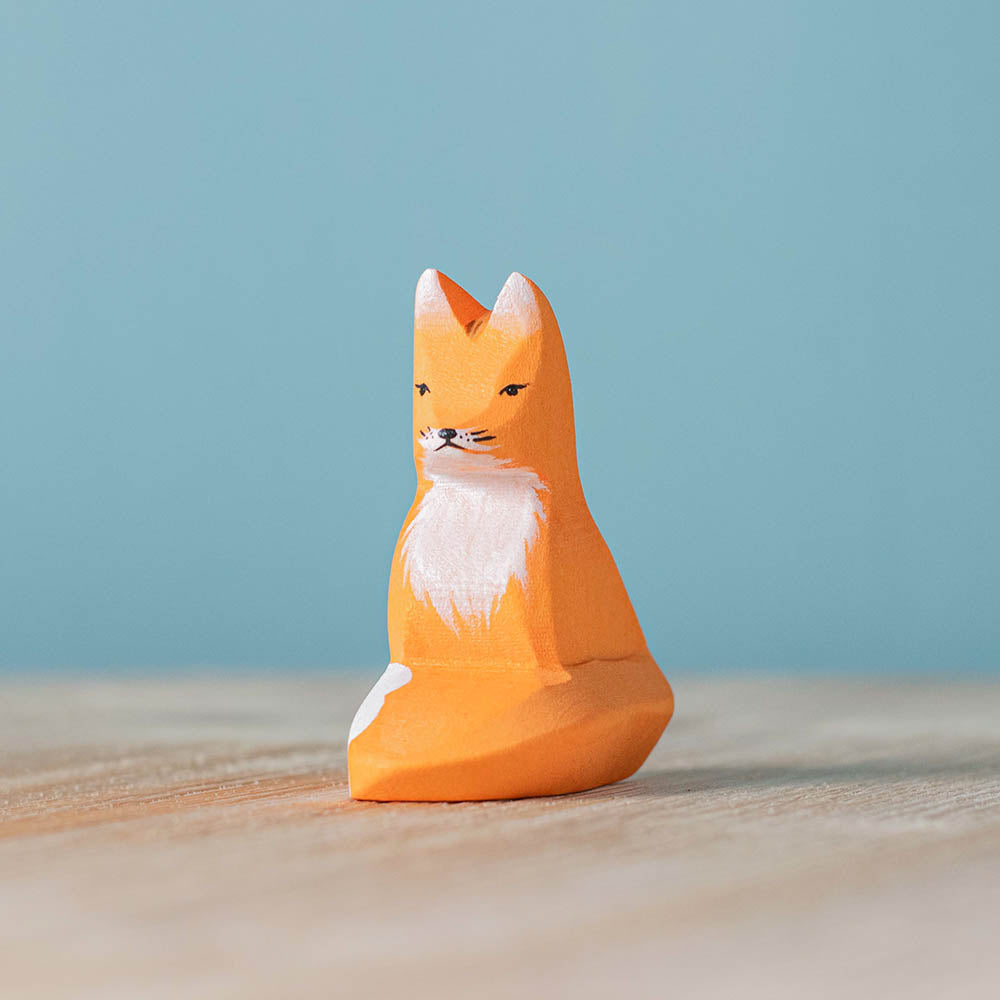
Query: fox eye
(511, 390)
(422, 386)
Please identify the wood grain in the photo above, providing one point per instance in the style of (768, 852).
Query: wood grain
(192, 836)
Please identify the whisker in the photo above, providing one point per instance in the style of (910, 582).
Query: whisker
(489, 437)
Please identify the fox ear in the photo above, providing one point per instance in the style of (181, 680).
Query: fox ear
(518, 311)
(441, 304)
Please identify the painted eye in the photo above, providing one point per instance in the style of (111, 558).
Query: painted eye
(511, 390)
(422, 387)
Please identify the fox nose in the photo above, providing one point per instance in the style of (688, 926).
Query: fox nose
(447, 433)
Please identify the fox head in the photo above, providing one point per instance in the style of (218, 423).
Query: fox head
(491, 389)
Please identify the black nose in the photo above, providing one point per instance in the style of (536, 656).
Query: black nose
(447, 433)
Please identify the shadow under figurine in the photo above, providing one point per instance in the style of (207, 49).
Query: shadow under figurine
(519, 667)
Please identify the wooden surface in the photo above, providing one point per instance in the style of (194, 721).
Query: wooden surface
(192, 837)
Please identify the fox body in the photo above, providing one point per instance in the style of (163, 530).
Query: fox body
(506, 609)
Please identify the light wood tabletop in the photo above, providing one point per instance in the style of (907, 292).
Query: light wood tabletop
(191, 836)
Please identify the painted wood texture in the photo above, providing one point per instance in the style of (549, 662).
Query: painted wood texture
(787, 838)
(518, 664)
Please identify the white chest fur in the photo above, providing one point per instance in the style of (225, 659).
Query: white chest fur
(471, 534)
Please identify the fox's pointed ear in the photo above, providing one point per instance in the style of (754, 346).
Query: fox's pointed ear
(441, 304)
(518, 311)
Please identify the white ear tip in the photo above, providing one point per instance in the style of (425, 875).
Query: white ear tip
(517, 305)
(516, 283)
(516, 296)
(429, 283)
(430, 300)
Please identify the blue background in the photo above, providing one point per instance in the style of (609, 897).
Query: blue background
(770, 232)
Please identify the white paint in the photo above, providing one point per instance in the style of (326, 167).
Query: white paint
(472, 532)
(430, 303)
(516, 311)
(394, 677)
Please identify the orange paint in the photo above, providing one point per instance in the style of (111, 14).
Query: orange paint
(519, 665)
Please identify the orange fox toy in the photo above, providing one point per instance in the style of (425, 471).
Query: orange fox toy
(519, 667)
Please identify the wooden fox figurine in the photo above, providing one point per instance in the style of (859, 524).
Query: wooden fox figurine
(518, 665)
